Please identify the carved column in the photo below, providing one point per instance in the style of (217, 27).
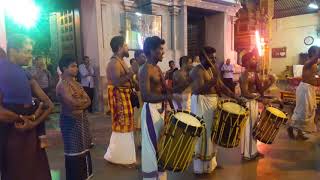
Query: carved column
(174, 12)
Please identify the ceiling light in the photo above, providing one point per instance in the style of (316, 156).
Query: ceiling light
(313, 5)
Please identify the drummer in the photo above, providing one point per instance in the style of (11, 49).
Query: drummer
(305, 110)
(206, 83)
(251, 88)
(182, 84)
(153, 92)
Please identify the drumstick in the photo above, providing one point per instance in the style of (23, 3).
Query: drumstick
(207, 58)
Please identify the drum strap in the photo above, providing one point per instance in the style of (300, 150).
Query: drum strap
(151, 130)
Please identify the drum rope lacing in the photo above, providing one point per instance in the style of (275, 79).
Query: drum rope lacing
(223, 123)
(189, 145)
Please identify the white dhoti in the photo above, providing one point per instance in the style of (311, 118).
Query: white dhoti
(248, 143)
(205, 153)
(305, 110)
(121, 149)
(137, 121)
(152, 123)
(182, 101)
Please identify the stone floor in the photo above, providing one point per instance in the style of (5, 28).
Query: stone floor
(284, 160)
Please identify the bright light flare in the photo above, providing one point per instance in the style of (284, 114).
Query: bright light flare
(313, 6)
(23, 12)
(258, 43)
(138, 14)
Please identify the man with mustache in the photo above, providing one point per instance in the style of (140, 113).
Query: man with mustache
(121, 149)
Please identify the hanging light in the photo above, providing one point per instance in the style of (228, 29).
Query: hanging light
(313, 5)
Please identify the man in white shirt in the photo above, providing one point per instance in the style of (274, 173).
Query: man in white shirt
(227, 70)
(87, 73)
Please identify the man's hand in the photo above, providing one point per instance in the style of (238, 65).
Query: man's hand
(25, 123)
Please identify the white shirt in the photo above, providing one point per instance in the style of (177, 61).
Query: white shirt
(86, 81)
(228, 68)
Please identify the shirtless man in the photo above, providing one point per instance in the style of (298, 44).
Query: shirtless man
(304, 112)
(252, 87)
(121, 149)
(206, 83)
(139, 60)
(74, 123)
(182, 84)
(153, 92)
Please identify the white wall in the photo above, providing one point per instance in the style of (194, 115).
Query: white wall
(290, 32)
(214, 29)
(3, 41)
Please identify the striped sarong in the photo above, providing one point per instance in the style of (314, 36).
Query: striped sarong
(121, 109)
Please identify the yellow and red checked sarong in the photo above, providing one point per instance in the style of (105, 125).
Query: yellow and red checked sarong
(121, 109)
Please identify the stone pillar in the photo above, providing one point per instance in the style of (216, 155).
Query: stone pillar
(3, 40)
(174, 12)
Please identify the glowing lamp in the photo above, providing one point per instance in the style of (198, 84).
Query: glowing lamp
(23, 12)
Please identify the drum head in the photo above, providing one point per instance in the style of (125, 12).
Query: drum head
(276, 112)
(233, 108)
(187, 119)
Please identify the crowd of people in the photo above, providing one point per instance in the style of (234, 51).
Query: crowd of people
(139, 98)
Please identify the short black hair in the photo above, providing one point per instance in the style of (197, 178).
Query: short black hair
(183, 60)
(172, 61)
(209, 50)
(116, 42)
(205, 51)
(137, 53)
(313, 50)
(131, 60)
(17, 41)
(152, 43)
(65, 61)
(85, 57)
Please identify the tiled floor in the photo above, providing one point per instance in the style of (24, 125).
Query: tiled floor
(284, 160)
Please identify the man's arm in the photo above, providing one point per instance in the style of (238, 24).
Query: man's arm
(223, 88)
(310, 62)
(244, 87)
(266, 85)
(145, 87)
(7, 116)
(198, 84)
(115, 74)
(178, 86)
(74, 103)
(38, 92)
(83, 71)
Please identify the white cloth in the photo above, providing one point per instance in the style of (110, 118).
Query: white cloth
(121, 149)
(86, 79)
(59, 73)
(205, 158)
(184, 103)
(248, 143)
(228, 68)
(305, 110)
(137, 120)
(149, 160)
